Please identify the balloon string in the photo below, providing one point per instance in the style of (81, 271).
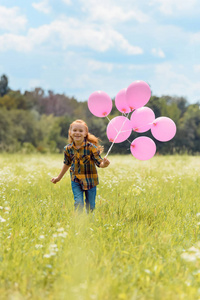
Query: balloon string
(118, 132)
(134, 129)
(114, 126)
(111, 123)
(108, 118)
(138, 128)
(115, 138)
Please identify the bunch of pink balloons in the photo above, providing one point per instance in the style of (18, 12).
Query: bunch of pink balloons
(133, 100)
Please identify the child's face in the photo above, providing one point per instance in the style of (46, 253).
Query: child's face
(78, 133)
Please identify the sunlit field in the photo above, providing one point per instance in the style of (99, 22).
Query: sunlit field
(142, 242)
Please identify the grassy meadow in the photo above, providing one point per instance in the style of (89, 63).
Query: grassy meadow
(142, 242)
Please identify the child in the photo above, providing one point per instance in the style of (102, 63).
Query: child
(83, 155)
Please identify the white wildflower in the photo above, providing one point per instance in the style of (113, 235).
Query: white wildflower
(53, 246)
(53, 249)
(49, 266)
(2, 220)
(197, 254)
(41, 237)
(38, 246)
(63, 234)
(60, 229)
(188, 257)
(193, 249)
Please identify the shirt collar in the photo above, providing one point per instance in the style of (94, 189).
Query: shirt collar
(82, 145)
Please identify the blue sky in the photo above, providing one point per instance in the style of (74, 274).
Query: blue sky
(76, 47)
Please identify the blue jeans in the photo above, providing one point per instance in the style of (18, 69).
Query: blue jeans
(90, 196)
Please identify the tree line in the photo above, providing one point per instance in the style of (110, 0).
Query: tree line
(37, 122)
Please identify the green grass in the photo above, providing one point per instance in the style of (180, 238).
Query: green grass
(137, 245)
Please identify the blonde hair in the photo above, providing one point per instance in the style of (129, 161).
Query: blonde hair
(89, 137)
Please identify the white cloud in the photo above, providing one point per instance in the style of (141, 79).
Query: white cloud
(14, 42)
(68, 2)
(33, 83)
(172, 7)
(110, 12)
(196, 68)
(11, 20)
(121, 27)
(70, 32)
(42, 6)
(164, 79)
(158, 52)
(168, 75)
(95, 65)
(98, 38)
(170, 79)
(87, 75)
(195, 37)
(34, 38)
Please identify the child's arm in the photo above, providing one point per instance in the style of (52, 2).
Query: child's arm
(101, 163)
(62, 173)
(105, 163)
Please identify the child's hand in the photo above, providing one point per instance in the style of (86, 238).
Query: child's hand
(55, 179)
(105, 163)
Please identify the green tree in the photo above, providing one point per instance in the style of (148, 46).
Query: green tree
(4, 89)
(14, 100)
(7, 138)
(188, 138)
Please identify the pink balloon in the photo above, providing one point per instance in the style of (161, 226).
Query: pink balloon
(138, 94)
(121, 103)
(163, 129)
(142, 119)
(117, 124)
(100, 104)
(143, 148)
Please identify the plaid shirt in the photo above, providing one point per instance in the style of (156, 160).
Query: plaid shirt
(83, 162)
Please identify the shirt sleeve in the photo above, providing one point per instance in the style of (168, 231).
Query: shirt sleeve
(96, 156)
(67, 159)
